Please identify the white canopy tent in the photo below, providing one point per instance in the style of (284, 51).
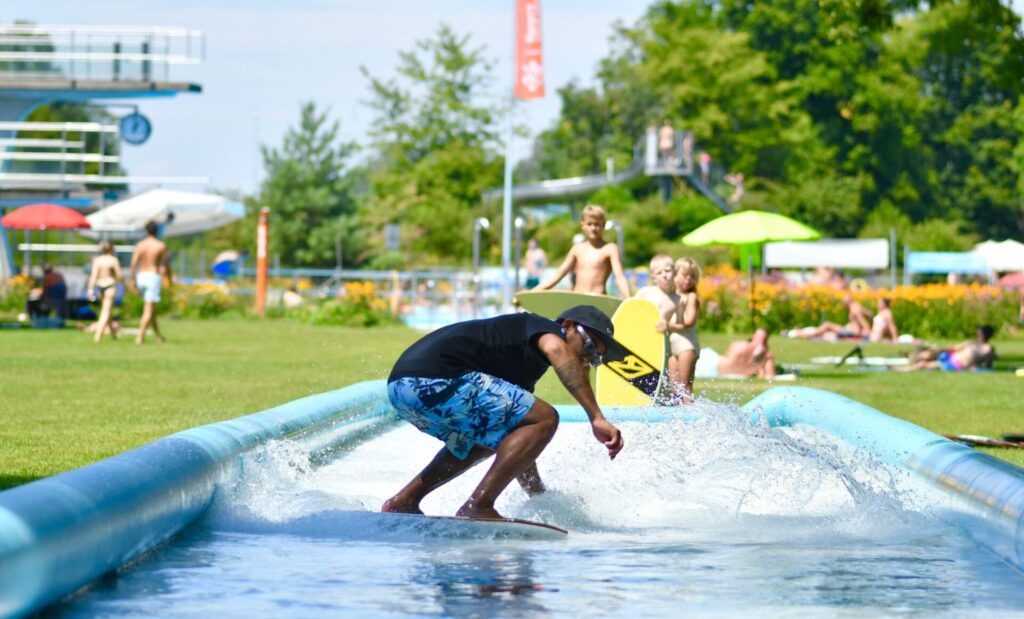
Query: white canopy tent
(835, 253)
(1002, 256)
(179, 212)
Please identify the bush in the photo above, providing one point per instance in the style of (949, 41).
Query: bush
(205, 301)
(15, 294)
(358, 306)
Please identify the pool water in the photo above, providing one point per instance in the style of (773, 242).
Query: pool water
(716, 517)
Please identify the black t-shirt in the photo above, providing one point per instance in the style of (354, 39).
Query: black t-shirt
(504, 347)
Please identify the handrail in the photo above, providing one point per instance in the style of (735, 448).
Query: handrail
(127, 54)
(88, 127)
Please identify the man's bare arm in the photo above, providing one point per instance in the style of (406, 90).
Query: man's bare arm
(563, 269)
(620, 275)
(135, 263)
(165, 262)
(576, 378)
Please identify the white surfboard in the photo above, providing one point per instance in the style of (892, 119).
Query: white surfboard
(471, 528)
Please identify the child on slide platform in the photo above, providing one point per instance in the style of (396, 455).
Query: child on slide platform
(593, 260)
(682, 330)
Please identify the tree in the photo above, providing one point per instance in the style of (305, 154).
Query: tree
(434, 147)
(309, 193)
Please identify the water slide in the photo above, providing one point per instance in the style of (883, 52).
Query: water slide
(577, 187)
(63, 532)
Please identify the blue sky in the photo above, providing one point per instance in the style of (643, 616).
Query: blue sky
(265, 57)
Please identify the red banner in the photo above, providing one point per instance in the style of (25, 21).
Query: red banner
(529, 64)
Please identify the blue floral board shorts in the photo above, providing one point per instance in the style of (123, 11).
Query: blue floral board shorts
(472, 409)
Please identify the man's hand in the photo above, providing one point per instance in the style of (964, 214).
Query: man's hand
(609, 435)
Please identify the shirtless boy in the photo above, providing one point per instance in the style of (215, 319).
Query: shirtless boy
(662, 289)
(593, 260)
(149, 267)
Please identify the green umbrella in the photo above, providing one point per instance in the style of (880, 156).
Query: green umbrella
(751, 230)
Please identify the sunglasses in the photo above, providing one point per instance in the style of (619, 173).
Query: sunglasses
(594, 358)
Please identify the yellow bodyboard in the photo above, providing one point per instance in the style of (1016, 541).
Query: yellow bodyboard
(551, 303)
(636, 380)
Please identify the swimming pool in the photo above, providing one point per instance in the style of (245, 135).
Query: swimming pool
(716, 516)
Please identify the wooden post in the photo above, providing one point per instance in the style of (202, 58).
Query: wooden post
(262, 243)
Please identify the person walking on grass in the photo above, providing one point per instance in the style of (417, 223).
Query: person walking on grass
(103, 278)
(148, 268)
(471, 385)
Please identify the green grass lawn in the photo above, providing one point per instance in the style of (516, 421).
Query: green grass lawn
(66, 402)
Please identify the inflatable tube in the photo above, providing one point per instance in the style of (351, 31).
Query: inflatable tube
(61, 533)
(987, 494)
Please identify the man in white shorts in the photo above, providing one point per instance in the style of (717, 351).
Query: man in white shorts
(149, 266)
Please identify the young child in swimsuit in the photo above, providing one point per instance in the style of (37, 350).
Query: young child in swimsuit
(662, 292)
(682, 329)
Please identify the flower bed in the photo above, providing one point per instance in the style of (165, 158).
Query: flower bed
(932, 310)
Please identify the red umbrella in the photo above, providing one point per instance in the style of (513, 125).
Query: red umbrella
(45, 217)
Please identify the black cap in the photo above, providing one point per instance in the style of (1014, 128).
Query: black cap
(598, 322)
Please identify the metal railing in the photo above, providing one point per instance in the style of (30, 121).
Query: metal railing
(66, 156)
(97, 53)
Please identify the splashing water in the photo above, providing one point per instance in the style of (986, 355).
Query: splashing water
(718, 473)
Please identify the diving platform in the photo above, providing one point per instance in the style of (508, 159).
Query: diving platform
(43, 64)
(40, 64)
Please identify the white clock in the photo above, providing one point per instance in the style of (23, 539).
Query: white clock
(135, 128)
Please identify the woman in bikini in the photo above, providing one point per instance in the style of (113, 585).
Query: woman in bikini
(883, 325)
(103, 278)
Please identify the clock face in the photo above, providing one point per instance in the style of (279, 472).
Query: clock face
(135, 128)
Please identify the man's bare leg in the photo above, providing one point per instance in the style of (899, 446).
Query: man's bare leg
(156, 328)
(513, 458)
(530, 480)
(686, 364)
(442, 469)
(767, 367)
(147, 317)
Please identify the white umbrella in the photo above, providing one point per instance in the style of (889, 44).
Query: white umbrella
(1005, 256)
(181, 212)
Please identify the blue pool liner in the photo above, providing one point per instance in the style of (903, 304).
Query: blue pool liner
(62, 533)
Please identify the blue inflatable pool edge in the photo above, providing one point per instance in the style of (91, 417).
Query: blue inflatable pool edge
(62, 533)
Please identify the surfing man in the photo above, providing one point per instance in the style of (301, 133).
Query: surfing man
(593, 260)
(471, 384)
(148, 268)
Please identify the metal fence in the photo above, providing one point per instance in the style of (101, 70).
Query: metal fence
(97, 53)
